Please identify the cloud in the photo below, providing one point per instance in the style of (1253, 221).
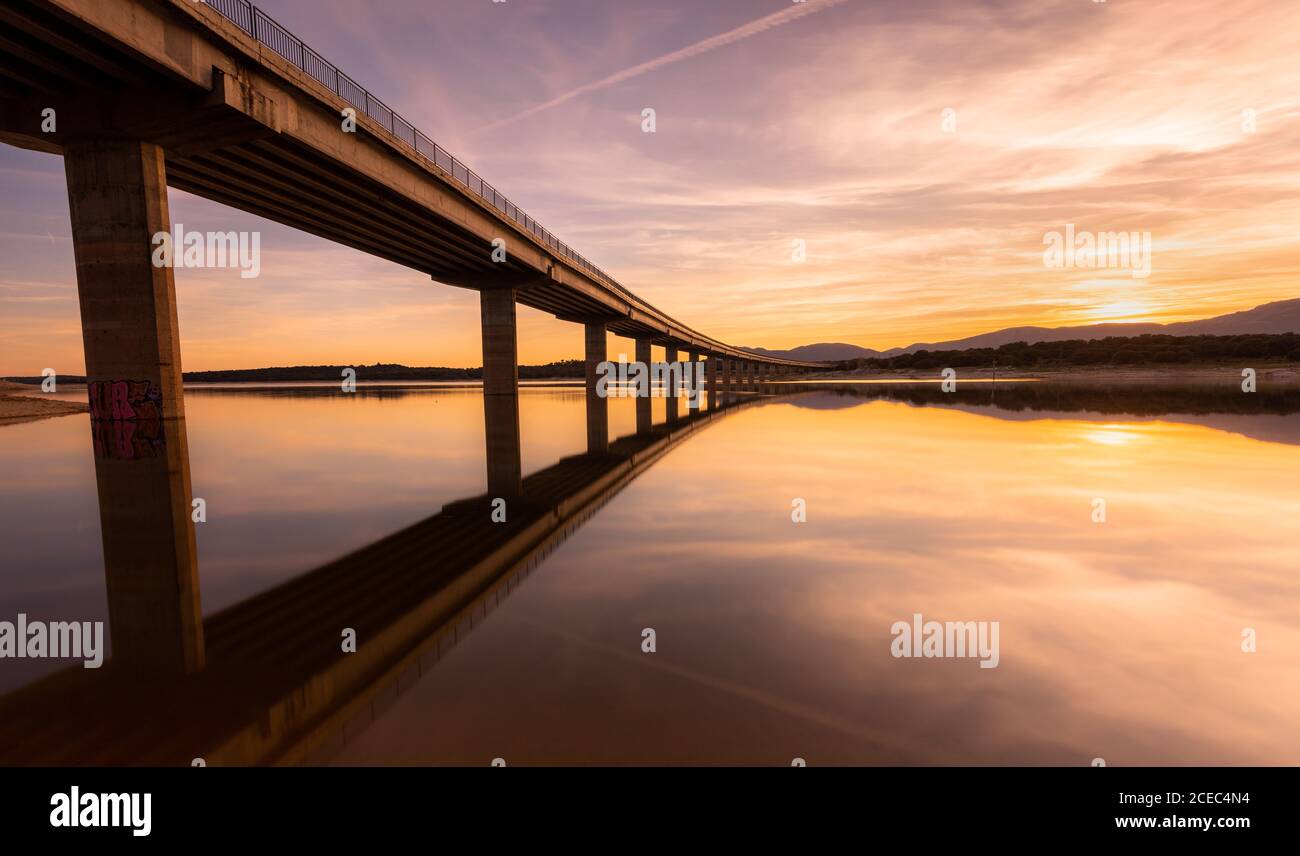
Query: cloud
(744, 31)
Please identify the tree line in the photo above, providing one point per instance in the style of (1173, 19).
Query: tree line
(1148, 349)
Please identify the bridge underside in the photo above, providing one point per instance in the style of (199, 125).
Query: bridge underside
(240, 125)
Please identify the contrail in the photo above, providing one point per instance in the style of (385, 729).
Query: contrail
(744, 31)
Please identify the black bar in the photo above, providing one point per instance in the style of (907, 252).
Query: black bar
(488, 806)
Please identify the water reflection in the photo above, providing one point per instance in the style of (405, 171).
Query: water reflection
(277, 683)
(1119, 640)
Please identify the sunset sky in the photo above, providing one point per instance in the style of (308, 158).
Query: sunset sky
(776, 122)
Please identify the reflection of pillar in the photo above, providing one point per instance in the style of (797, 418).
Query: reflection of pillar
(597, 407)
(711, 372)
(501, 392)
(117, 196)
(643, 394)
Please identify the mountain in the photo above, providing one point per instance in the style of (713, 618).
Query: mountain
(823, 352)
(1282, 316)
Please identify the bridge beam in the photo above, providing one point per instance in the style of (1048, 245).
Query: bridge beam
(596, 347)
(117, 196)
(501, 391)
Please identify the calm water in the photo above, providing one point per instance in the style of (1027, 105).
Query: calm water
(1120, 640)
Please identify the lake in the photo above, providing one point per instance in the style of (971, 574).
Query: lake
(1135, 546)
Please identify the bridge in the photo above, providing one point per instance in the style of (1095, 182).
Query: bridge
(219, 100)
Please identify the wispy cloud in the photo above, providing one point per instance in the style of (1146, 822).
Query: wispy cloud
(744, 31)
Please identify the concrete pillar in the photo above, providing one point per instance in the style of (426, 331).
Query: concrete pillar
(501, 392)
(670, 357)
(596, 347)
(711, 375)
(117, 196)
(693, 358)
(643, 401)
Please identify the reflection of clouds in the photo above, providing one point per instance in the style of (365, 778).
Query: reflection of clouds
(1118, 640)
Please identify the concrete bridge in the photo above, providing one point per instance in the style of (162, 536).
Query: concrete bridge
(221, 101)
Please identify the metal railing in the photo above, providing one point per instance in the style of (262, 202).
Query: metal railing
(266, 30)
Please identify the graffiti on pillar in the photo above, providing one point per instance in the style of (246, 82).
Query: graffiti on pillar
(126, 419)
(128, 441)
(124, 400)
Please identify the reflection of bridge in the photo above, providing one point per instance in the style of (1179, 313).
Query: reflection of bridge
(140, 94)
(276, 685)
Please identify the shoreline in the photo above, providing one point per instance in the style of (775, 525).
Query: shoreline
(1273, 374)
(22, 408)
(22, 403)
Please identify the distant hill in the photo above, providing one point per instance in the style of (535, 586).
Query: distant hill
(1282, 316)
(823, 352)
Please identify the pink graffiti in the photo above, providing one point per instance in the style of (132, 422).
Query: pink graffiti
(124, 400)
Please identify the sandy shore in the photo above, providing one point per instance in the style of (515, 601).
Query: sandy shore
(1275, 374)
(30, 407)
(10, 386)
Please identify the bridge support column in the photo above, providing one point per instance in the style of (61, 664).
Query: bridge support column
(693, 358)
(711, 375)
(670, 357)
(596, 348)
(117, 196)
(643, 401)
(501, 392)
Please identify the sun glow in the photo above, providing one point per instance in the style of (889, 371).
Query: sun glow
(1121, 310)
